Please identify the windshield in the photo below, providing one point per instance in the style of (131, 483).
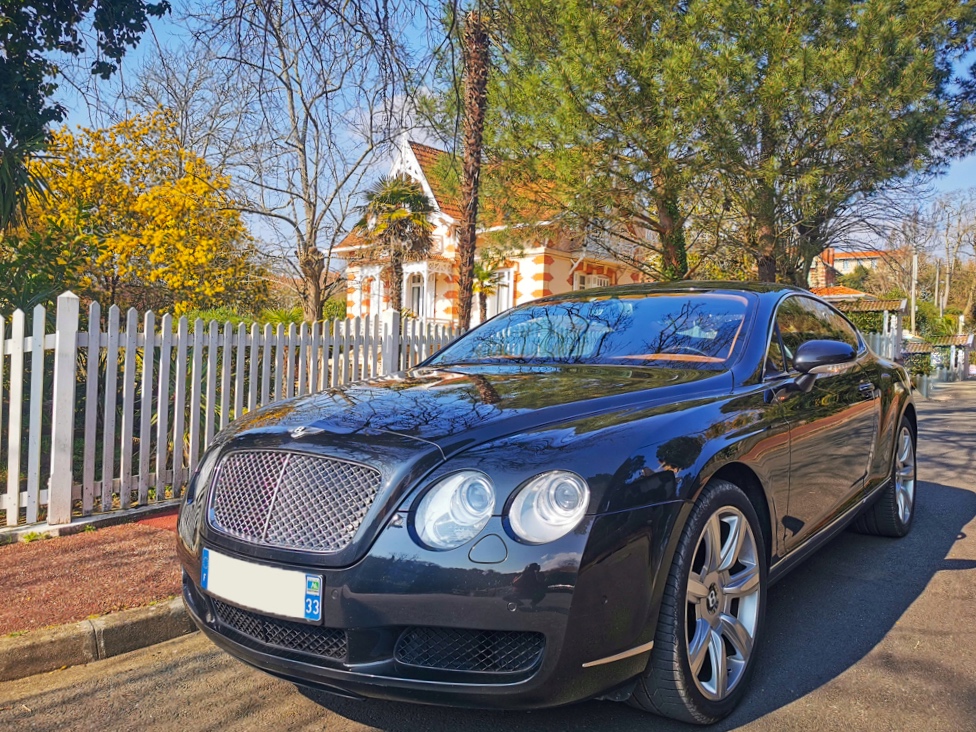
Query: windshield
(691, 330)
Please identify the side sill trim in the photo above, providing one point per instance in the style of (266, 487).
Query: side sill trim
(802, 552)
(620, 656)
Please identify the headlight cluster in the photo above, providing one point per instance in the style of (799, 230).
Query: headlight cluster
(548, 506)
(191, 512)
(456, 508)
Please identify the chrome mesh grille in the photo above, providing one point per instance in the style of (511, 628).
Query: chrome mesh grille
(452, 649)
(312, 639)
(292, 500)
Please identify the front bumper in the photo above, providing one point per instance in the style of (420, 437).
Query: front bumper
(551, 609)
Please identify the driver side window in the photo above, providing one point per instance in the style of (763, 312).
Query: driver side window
(800, 319)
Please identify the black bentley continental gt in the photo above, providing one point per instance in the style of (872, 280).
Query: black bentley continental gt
(585, 497)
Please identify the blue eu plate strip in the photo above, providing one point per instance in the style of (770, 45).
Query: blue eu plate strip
(313, 597)
(205, 569)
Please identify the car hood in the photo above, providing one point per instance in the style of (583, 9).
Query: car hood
(457, 407)
(408, 424)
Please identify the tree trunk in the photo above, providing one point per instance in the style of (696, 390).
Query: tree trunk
(474, 54)
(483, 306)
(765, 214)
(766, 265)
(812, 244)
(311, 265)
(766, 244)
(396, 280)
(674, 255)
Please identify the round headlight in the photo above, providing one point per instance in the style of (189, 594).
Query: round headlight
(455, 510)
(548, 506)
(191, 512)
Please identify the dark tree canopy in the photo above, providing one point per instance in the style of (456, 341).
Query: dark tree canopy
(31, 31)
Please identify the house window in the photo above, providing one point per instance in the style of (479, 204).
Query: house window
(416, 293)
(503, 297)
(589, 281)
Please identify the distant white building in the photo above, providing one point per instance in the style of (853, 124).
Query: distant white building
(832, 263)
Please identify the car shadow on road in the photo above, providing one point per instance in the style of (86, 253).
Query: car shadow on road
(821, 619)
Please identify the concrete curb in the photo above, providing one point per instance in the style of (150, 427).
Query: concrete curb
(13, 534)
(41, 651)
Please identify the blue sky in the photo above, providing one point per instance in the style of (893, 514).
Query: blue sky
(961, 175)
(169, 31)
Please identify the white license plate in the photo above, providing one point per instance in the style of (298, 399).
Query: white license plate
(284, 592)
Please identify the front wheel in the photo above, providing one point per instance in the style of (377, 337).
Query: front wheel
(711, 613)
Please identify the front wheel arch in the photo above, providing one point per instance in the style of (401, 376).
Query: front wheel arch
(742, 476)
(666, 686)
(912, 416)
(748, 482)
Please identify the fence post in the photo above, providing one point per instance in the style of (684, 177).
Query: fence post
(391, 341)
(63, 419)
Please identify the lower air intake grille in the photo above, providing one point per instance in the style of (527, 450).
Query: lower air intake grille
(311, 639)
(450, 649)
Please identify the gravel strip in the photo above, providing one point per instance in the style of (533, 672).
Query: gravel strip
(71, 578)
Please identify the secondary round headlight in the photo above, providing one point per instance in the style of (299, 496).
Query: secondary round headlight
(455, 510)
(549, 506)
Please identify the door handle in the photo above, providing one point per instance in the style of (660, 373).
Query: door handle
(867, 390)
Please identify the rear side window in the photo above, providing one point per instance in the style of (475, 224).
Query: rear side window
(801, 319)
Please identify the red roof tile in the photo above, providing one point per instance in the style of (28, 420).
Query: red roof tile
(966, 339)
(859, 255)
(489, 213)
(838, 291)
(864, 305)
(428, 157)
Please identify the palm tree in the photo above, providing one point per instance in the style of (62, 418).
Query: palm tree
(485, 285)
(396, 223)
(18, 180)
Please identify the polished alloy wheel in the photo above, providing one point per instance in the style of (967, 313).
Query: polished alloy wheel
(905, 475)
(723, 602)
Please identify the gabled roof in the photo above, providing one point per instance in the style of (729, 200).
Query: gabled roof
(916, 347)
(428, 158)
(490, 215)
(838, 291)
(871, 306)
(966, 339)
(350, 243)
(869, 254)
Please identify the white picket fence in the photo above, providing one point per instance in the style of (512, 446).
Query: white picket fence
(886, 345)
(118, 415)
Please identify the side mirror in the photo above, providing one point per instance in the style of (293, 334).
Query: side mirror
(820, 357)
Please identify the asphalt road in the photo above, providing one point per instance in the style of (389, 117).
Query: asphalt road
(871, 634)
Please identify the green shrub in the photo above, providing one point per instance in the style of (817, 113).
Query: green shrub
(867, 322)
(221, 315)
(334, 308)
(918, 364)
(282, 316)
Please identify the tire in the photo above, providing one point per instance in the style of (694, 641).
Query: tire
(894, 510)
(724, 626)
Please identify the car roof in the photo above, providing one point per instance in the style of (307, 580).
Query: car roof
(689, 286)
